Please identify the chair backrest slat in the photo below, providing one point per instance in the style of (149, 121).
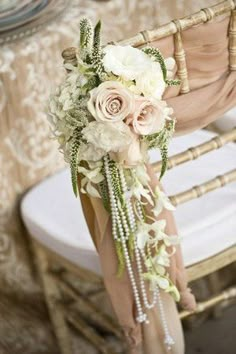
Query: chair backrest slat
(194, 152)
(180, 58)
(203, 188)
(232, 42)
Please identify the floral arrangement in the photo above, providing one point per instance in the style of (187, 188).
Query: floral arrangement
(106, 115)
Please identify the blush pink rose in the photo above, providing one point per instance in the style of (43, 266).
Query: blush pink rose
(110, 102)
(148, 116)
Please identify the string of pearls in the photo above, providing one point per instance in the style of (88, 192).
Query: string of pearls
(124, 221)
(169, 342)
(117, 224)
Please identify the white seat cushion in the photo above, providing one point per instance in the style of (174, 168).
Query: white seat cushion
(54, 216)
(227, 122)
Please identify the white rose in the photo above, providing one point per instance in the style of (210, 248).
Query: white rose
(170, 65)
(151, 83)
(89, 152)
(125, 61)
(108, 136)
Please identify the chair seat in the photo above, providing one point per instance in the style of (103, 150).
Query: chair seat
(207, 225)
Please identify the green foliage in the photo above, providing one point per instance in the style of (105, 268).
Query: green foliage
(175, 82)
(161, 140)
(103, 190)
(86, 38)
(156, 54)
(97, 52)
(164, 158)
(74, 160)
(115, 178)
(121, 258)
(93, 82)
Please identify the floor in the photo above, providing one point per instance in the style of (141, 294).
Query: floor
(215, 336)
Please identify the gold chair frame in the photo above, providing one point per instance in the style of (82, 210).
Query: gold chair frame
(54, 286)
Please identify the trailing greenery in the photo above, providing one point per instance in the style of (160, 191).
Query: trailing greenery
(161, 140)
(174, 82)
(131, 245)
(74, 159)
(86, 39)
(120, 257)
(116, 185)
(97, 52)
(103, 189)
(156, 54)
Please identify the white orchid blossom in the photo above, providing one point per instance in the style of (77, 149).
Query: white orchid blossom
(161, 202)
(139, 191)
(142, 234)
(162, 257)
(174, 292)
(155, 280)
(149, 263)
(142, 175)
(171, 240)
(91, 177)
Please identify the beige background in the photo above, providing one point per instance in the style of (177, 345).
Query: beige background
(28, 71)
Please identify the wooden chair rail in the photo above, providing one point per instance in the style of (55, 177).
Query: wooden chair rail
(205, 305)
(194, 152)
(203, 188)
(146, 37)
(200, 17)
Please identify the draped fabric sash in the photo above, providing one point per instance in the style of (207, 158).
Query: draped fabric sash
(213, 91)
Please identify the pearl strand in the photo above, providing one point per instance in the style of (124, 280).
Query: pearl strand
(169, 342)
(144, 292)
(156, 294)
(136, 249)
(116, 221)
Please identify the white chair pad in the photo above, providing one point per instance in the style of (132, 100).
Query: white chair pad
(54, 216)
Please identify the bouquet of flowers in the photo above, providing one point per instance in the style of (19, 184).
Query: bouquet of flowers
(106, 116)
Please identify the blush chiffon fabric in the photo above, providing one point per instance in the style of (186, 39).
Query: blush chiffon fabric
(213, 92)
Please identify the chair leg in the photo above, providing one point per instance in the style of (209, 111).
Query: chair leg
(52, 297)
(215, 288)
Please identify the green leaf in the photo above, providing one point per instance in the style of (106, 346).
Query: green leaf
(97, 35)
